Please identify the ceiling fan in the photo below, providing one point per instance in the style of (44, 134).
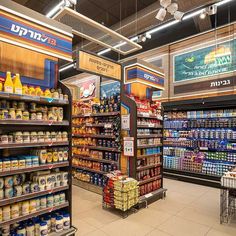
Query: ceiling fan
(171, 7)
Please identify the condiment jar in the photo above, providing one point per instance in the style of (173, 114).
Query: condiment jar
(53, 136)
(41, 136)
(5, 114)
(14, 164)
(19, 114)
(66, 221)
(60, 154)
(6, 213)
(49, 156)
(59, 136)
(33, 137)
(55, 155)
(56, 199)
(64, 136)
(50, 115)
(59, 224)
(39, 116)
(6, 164)
(43, 229)
(18, 137)
(12, 114)
(26, 137)
(30, 229)
(25, 208)
(65, 155)
(15, 211)
(33, 116)
(47, 137)
(32, 206)
(21, 106)
(25, 115)
(21, 162)
(4, 139)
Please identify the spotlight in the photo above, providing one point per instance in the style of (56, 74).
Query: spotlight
(203, 15)
(148, 36)
(161, 14)
(165, 3)
(172, 8)
(178, 15)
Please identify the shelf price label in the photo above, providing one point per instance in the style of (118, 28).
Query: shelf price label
(125, 122)
(108, 126)
(148, 195)
(151, 125)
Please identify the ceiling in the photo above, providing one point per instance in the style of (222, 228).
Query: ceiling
(132, 17)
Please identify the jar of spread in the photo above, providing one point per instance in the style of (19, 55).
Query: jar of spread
(41, 136)
(43, 202)
(49, 156)
(60, 154)
(53, 136)
(25, 208)
(50, 201)
(19, 114)
(30, 229)
(59, 136)
(6, 213)
(25, 115)
(33, 116)
(33, 137)
(35, 160)
(43, 229)
(47, 137)
(8, 181)
(12, 114)
(26, 188)
(28, 161)
(6, 164)
(43, 156)
(14, 164)
(60, 114)
(66, 221)
(5, 114)
(10, 138)
(15, 211)
(55, 155)
(47, 219)
(32, 206)
(18, 137)
(45, 116)
(4, 139)
(26, 137)
(21, 162)
(39, 116)
(56, 199)
(65, 155)
(59, 224)
(64, 136)
(18, 190)
(53, 222)
(50, 116)
(62, 197)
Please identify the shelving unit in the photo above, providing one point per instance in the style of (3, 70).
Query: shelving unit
(89, 171)
(199, 144)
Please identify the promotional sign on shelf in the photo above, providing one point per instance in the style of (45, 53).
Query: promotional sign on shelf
(125, 122)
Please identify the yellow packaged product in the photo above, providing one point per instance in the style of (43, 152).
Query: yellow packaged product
(17, 85)
(8, 85)
(32, 91)
(38, 92)
(47, 93)
(25, 90)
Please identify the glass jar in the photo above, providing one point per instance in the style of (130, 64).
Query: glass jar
(33, 137)
(33, 116)
(53, 136)
(26, 137)
(64, 136)
(39, 116)
(25, 115)
(12, 114)
(59, 136)
(18, 137)
(41, 136)
(19, 114)
(47, 137)
(5, 114)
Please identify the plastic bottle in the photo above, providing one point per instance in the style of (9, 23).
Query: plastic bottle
(43, 229)
(30, 229)
(59, 224)
(17, 85)
(8, 85)
(66, 221)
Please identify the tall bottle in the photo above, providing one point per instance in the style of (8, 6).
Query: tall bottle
(8, 85)
(17, 85)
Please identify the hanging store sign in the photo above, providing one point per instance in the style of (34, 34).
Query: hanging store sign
(97, 65)
(138, 73)
(205, 62)
(21, 32)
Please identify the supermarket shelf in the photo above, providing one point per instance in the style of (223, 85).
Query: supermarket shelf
(88, 186)
(150, 136)
(206, 118)
(149, 146)
(96, 115)
(192, 177)
(25, 145)
(147, 156)
(94, 136)
(35, 214)
(150, 126)
(97, 148)
(151, 197)
(34, 122)
(100, 125)
(32, 195)
(95, 159)
(27, 98)
(91, 170)
(148, 167)
(139, 115)
(141, 182)
(67, 232)
(36, 168)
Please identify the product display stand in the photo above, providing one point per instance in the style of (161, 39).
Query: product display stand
(199, 144)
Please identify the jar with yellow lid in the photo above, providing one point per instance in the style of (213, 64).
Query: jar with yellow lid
(47, 93)
(19, 114)
(32, 91)
(41, 136)
(25, 90)
(18, 137)
(38, 91)
(12, 113)
(25, 115)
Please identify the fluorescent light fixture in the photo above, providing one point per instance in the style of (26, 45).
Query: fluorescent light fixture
(55, 9)
(66, 67)
(171, 23)
(222, 2)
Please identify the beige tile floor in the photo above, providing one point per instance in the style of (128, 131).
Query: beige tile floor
(188, 209)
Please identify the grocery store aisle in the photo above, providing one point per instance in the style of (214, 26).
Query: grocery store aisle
(187, 210)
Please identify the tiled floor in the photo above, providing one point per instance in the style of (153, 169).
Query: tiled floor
(188, 209)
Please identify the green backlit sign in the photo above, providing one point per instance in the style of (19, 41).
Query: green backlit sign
(205, 62)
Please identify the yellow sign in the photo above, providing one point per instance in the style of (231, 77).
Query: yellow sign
(98, 65)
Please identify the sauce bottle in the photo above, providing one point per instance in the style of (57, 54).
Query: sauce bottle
(17, 85)
(8, 85)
